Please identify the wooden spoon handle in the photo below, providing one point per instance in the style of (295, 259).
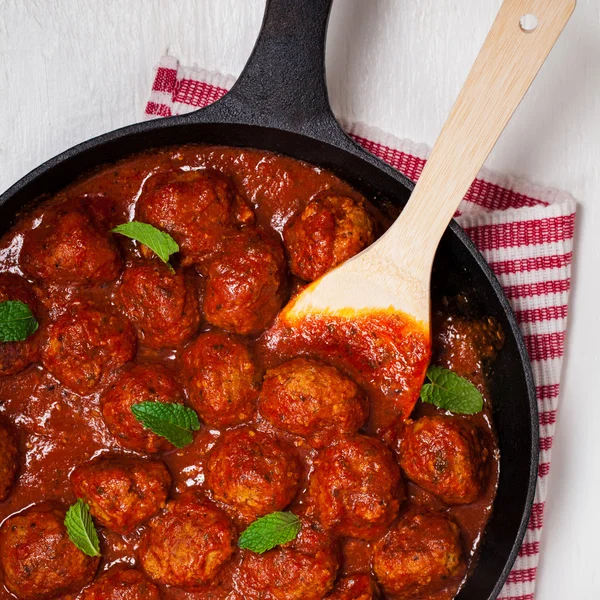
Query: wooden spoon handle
(507, 64)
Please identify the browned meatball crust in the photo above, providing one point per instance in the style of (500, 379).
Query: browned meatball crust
(246, 281)
(147, 382)
(303, 569)
(355, 488)
(15, 356)
(355, 587)
(313, 400)
(68, 248)
(38, 559)
(199, 210)
(188, 543)
(252, 472)
(445, 455)
(85, 345)
(9, 460)
(221, 379)
(122, 583)
(418, 556)
(161, 305)
(326, 233)
(466, 346)
(122, 492)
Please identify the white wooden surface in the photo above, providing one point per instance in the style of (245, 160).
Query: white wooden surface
(71, 69)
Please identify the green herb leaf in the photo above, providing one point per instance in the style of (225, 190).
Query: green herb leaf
(81, 530)
(451, 392)
(270, 531)
(174, 422)
(161, 243)
(17, 322)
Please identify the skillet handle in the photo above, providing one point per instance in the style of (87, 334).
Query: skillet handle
(283, 83)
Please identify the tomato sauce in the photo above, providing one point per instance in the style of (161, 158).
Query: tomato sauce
(384, 353)
(387, 353)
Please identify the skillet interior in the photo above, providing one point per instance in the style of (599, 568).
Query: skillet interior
(458, 267)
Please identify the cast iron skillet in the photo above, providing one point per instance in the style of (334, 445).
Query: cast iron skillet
(280, 103)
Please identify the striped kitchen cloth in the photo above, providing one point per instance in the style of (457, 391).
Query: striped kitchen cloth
(525, 233)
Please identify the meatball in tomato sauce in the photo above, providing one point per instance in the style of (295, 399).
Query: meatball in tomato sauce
(355, 587)
(303, 569)
(221, 379)
(311, 399)
(466, 346)
(253, 473)
(200, 210)
(69, 248)
(16, 356)
(326, 233)
(355, 488)
(445, 455)
(122, 583)
(9, 460)
(38, 558)
(86, 345)
(161, 305)
(122, 492)
(418, 556)
(146, 382)
(245, 288)
(188, 544)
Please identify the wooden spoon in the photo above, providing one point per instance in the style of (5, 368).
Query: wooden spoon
(393, 275)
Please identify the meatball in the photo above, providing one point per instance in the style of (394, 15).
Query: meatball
(122, 493)
(355, 488)
(252, 472)
(161, 305)
(148, 382)
(68, 248)
(85, 345)
(221, 379)
(9, 460)
(418, 556)
(246, 281)
(188, 543)
(355, 587)
(122, 584)
(15, 356)
(303, 569)
(326, 233)
(464, 345)
(199, 209)
(445, 455)
(313, 400)
(38, 558)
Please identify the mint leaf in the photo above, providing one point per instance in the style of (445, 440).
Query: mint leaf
(17, 322)
(81, 530)
(451, 392)
(161, 243)
(174, 422)
(270, 531)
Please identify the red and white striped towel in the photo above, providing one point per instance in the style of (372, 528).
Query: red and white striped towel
(524, 231)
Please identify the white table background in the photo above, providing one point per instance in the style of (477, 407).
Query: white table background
(72, 69)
